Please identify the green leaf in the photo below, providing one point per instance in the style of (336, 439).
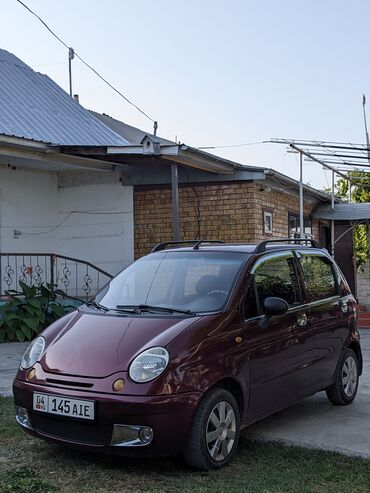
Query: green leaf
(27, 332)
(2, 335)
(60, 292)
(35, 302)
(10, 333)
(30, 309)
(20, 335)
(31, 323)
(57, 309)
(11, 292)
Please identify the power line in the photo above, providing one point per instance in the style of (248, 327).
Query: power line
(53, 228)
(232, 145)
(85, 63)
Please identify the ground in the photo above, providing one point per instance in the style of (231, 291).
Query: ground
(28, 465)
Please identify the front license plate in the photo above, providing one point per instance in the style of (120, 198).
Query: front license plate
(63, 406)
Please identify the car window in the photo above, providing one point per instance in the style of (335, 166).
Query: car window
(195, 272)
(277, 277)
(320, 279)
(195, 281)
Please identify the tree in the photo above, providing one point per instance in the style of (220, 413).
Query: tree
(360, 192)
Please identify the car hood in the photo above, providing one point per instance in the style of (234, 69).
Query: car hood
(97, 345)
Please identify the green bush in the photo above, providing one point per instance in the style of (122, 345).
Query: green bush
(29, 311)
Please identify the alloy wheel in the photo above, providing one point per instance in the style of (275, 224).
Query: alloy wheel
(221, 431)
(349, 376)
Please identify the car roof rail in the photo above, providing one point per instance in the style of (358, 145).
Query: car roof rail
(261, 247)
(196, 243)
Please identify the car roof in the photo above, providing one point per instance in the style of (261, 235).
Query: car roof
(248, 248)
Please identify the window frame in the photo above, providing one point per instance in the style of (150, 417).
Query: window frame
(296, 216)
(262, 260)
(336, 275)
(266, 212)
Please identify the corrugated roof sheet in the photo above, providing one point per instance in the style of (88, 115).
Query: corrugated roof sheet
(34, 107)
(343, 212)
(132, 134)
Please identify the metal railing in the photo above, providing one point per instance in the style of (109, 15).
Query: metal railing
(76, 277)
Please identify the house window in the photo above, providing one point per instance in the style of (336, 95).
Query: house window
(267, 222)
(293, 224)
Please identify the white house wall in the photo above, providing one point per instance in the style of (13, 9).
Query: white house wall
(28, 200)
(98, 220)
(87, 216)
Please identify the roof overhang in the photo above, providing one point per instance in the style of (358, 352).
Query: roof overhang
(286, 181)
(180, 154)
(343, 212)
(39, 155)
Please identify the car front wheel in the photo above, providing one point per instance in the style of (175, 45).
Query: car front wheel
(344, 389)
(215, 431)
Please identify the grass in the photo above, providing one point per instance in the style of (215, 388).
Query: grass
(29, 465)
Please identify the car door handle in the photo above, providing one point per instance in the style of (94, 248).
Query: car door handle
(302, 319)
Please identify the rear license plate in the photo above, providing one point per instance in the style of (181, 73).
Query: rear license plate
(63, 406)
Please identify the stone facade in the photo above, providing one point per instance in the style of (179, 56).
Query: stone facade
(230, 211)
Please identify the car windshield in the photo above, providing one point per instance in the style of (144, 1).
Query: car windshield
(185, 281)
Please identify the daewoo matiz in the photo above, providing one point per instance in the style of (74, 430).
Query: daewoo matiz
(188, 345)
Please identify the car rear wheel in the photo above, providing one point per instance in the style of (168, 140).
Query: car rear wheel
(344, 389)
(215, 431)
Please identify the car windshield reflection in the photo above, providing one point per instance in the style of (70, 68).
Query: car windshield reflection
(186, 282)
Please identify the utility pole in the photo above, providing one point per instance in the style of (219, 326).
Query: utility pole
(365, 124)
(71, 55)
(301, 215)
(332, 228)
(175, 203)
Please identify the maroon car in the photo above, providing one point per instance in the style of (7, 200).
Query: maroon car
(188, 345)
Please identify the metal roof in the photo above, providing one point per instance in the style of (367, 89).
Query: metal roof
(132, 135)
(34, 107)
(343, 212)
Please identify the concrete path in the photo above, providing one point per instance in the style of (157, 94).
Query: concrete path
(10, 356)
(316, 423)
(313, 422)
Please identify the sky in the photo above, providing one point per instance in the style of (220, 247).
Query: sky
(212, 72)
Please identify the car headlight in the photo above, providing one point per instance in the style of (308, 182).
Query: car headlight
(33, 353)
(149, 364)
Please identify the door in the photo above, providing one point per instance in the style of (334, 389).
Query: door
(328, 314)
(279, 354)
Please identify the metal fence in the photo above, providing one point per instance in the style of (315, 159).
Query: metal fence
(77, 278)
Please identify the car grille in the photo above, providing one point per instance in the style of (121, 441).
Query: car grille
(71, 430)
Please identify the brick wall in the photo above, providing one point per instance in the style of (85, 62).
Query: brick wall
(230, 212)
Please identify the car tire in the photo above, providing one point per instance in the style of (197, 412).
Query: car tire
(215, 431)
(344, 389)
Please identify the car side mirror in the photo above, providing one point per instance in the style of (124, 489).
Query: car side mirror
(273, 306)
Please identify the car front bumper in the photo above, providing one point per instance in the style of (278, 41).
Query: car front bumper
(123, 424)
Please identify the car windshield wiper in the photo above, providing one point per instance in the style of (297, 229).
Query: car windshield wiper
(150, 308)
(97, 305)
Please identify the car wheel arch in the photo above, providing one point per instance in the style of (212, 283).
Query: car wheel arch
(235, 388)
(356, 348)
